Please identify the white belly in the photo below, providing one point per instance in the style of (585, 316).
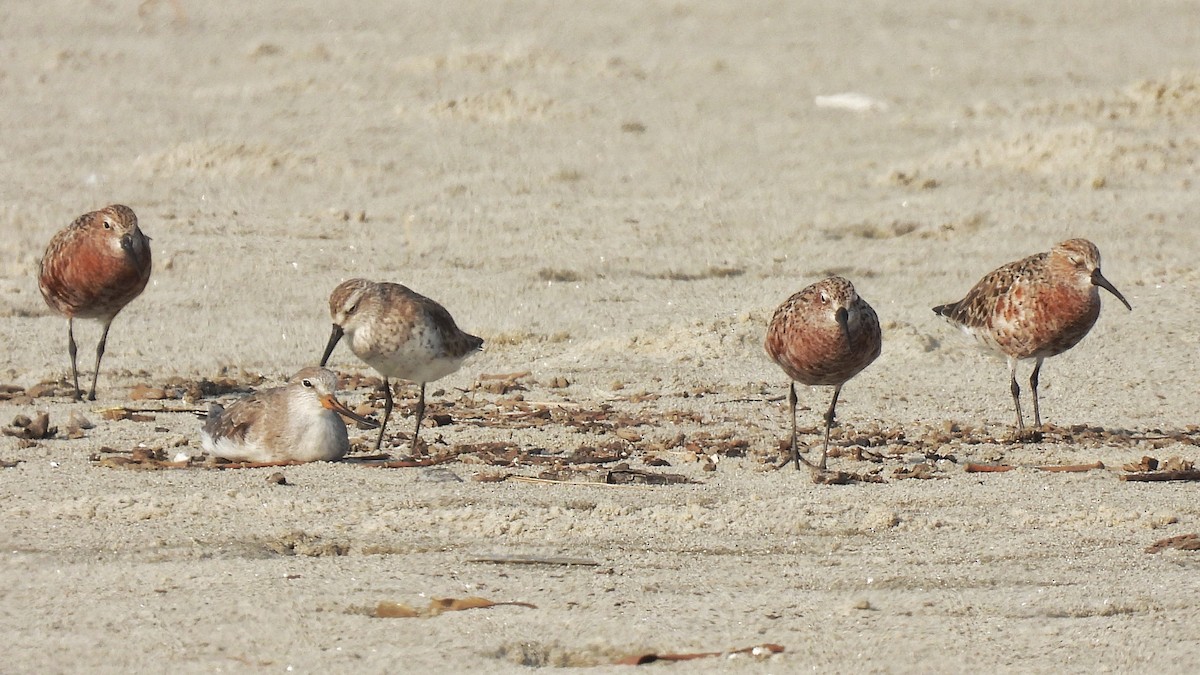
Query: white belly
(307, 439)
(421, 358)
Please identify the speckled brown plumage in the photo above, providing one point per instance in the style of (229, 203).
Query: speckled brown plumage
(1034, 308)
(823, 335)
(400, 333)
(91, 270)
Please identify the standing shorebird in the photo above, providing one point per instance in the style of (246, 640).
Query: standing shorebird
(823, 335)
(91, 270)
(298, 422)
(400, 333)
(1034, 308)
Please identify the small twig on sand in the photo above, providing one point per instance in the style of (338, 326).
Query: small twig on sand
(117, 410)
(1192, 474)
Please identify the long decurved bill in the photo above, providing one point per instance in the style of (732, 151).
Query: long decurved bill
(336, 406)
(1099, 280)
(333, 340)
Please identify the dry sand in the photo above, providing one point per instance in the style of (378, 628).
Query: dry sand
(614, 193)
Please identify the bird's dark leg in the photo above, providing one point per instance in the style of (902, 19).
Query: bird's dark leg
(1016, 394)
(792, 404)
(829, 415)
(794, 457)
(73, 350)
(387, 412)
(420, 416)
(99, 355)
(1033, 383)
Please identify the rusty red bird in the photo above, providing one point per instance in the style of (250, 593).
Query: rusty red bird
(823, 335)
(91, 270)
(1034, 308)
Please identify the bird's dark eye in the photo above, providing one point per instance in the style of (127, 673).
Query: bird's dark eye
(353, 308)
(307, 383)
(107, 225)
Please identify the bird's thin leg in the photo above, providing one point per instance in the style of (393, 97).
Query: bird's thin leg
(829, 414)
(73, 350)
(387, 412)
(1033, 383)
(792, 404)
(99, 355)
(1016, 394)
(794, 457)
(420, 416)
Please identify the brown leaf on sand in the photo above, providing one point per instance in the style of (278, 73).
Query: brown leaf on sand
(386, 609)
(1183, 542)
(1146, 464)
(439, 605)
(115, 414)
(1177, 463)
(31, 429)
(1151, 470)
(760, 651)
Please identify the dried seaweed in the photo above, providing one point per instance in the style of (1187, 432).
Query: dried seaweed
(1149, 469)
(1183, 542)
(646, 425)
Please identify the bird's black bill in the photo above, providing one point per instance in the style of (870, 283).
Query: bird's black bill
(135, 250)
(333, 340)
(1099, 280)
(843, 319)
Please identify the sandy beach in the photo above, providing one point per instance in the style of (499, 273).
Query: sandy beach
(615, 196)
